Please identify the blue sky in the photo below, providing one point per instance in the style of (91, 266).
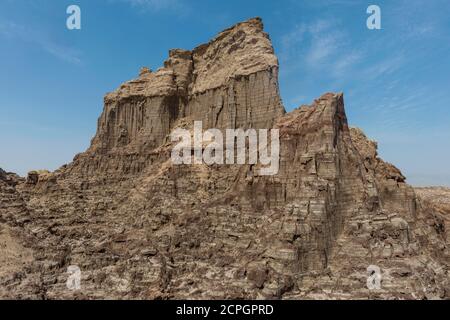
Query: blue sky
(396, 80)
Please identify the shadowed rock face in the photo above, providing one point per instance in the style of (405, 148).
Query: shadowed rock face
(230, 82)
(139, 226)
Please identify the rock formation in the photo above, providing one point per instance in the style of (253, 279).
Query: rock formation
(140, 227)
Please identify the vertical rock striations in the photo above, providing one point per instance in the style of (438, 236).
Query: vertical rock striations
(230, 82)
(139, 226)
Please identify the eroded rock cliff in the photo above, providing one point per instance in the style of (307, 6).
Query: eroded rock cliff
(139, 226)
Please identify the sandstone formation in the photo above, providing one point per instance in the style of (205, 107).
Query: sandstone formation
(140, 227)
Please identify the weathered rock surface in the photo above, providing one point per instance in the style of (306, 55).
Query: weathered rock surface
(140, 227)
(230, 82)
(437, 201)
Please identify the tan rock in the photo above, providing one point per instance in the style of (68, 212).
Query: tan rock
(140, 227)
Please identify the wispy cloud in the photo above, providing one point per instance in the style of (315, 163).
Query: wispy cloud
(375, 65)
(346, 61)
(327, 43)
(323, 47)
(384, 67)
(64, 53)
(322, 3)
(294, 37)
(415, 19)
(178, 6)
(316, 45)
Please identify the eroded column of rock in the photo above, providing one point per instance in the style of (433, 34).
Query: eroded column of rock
(391, 232)
(235, 79)
(318, 187)
(230, 82)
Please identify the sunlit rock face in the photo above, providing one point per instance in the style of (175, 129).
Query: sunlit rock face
(140, 227)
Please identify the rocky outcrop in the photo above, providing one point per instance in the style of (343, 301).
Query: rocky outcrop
(393, 231)
(139, 226)
(436, 200)
(230, 82)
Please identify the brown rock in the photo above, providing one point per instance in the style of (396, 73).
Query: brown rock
(139, 226)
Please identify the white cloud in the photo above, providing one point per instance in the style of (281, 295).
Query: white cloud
(294, 37)
(346, 61)
(384, 67)
(64, 53)
(322, 47)
(314, 45)
(13, 30)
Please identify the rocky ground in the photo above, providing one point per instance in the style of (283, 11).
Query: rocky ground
(436, 197)
(140, 227)
(437, 200)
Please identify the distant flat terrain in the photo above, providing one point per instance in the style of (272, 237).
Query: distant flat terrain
(437, 197)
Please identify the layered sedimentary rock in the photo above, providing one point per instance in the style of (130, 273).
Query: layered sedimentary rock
(437, 201)
(230, 82)
(139, 226)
